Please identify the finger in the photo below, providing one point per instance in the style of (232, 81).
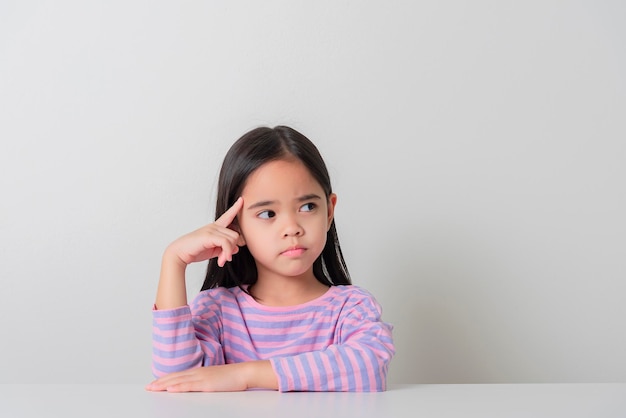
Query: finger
(187, 381)
(228, 249)
(171, 377)
(225, 238)
(194, 386)
(165, 382)
(226, 256)
(229, 216)
(156, 386)
(152, 387)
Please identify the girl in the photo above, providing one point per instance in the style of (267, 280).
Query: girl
(277, 309)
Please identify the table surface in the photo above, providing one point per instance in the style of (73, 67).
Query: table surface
(466, 400)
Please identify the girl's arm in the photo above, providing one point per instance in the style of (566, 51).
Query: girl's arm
(213, 240)
(357, 362)
(188, 355)
(171, 292)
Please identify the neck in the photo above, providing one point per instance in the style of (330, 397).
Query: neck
(274, 290)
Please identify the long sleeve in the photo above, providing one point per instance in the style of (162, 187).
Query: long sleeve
(358, 360)
(337, 342)
(181, 342)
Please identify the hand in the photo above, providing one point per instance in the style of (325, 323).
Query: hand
(222, 378)
(213, 240)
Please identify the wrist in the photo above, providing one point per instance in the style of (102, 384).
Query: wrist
(172, 260)
(260, 374)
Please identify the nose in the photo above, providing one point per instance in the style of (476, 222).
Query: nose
(292, 228)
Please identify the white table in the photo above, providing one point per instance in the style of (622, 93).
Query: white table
(484, 401)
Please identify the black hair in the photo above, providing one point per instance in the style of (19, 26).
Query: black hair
(248, 153)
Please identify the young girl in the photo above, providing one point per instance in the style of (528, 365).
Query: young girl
(277, 309)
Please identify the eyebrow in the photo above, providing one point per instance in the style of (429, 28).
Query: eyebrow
(262, 203)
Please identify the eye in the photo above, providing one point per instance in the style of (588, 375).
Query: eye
(308, 207)
(266, 214)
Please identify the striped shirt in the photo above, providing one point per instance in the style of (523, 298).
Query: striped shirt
(336, 342)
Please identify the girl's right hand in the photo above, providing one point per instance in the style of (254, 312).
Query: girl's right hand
(213, 240)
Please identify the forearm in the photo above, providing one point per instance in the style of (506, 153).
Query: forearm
(335, 369)
(171, 291)
(175, 346)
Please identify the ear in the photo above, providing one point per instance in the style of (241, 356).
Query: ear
(241, 241)
(332, 202)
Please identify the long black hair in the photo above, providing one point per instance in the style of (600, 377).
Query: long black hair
(251, 151)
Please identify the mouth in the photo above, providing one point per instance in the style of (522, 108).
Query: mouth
(293, 251)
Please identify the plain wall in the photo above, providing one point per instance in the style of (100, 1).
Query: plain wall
(478, 150)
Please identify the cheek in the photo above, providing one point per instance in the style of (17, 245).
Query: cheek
(321, 228)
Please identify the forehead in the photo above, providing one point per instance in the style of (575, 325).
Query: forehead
(281, 177)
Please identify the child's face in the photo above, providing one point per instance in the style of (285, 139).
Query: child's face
(285, 218)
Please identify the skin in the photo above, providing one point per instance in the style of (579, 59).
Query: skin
(282, 216)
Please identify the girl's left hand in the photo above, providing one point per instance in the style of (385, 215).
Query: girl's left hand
(222, 378)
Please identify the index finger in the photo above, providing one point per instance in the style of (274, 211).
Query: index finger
(229, 216)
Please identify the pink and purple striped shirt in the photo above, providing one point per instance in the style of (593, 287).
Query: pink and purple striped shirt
(337, 342)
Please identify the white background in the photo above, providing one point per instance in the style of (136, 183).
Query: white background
(478, 150)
